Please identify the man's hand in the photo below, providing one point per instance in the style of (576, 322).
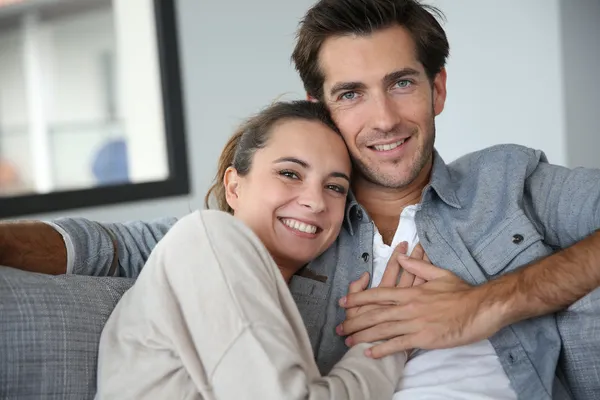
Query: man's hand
(389, 279)
(441, 313)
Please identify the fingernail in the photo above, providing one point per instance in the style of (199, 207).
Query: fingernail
(339, 330)
(343, 301)
(368, 353)
(349, 341)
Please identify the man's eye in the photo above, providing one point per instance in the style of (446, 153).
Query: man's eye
(348, 96)
(404, 83)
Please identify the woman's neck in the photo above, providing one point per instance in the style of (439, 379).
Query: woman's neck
(287, 269)
(287, 273)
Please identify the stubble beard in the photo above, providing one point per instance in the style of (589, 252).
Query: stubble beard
(375, 175)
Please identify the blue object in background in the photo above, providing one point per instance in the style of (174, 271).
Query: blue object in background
(110, 164)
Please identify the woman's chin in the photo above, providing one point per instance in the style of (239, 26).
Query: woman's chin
(297, 259)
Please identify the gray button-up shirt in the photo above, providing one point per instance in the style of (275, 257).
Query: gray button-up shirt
(486, 214)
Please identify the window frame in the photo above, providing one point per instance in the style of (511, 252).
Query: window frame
(177, 183)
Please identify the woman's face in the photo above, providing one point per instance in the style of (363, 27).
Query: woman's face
(294, 196)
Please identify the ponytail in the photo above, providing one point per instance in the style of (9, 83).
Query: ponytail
(226, 160)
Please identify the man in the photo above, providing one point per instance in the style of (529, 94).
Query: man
(379, 66)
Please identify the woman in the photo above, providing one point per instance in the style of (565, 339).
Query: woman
(211, 316)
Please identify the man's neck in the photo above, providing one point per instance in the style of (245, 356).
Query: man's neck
(385, 205)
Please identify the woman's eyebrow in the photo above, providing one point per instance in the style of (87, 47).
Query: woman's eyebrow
(293, 160)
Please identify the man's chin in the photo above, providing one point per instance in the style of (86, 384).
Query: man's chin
(395, 177)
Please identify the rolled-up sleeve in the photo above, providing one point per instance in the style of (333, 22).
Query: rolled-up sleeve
(566, 201)
(91, 245)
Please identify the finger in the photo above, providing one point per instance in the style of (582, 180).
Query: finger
(426, 258)
(406, 279)
(374, 318)
(392, 269)
(355, 287)
(365, 322)
(355, 312)
(417, 252)
(419, 281)
(422, 269)
(383, 331)
(395, 345)
(360, 284)
(377, 296)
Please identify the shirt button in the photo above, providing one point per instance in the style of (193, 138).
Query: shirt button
(365, 257)
(359, 215)
(511, 358)
(518, 238)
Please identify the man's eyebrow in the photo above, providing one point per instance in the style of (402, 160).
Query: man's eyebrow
(346, 87)
(307, 166)
(395, 76)
(388, 79)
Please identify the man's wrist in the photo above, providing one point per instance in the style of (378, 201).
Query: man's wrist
(500, 302)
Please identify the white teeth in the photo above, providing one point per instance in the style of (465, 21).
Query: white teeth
(387, 147)
(299, 226)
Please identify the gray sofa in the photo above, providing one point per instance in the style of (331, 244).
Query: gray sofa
(50, 327)
(49, 332)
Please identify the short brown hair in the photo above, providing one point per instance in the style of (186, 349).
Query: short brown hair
(328, 18)
(254, 134)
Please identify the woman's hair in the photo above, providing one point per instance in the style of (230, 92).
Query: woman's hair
(254, 134)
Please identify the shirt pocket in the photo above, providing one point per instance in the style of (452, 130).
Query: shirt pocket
(515, 242)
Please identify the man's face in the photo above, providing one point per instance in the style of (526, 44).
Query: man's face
(383, 103)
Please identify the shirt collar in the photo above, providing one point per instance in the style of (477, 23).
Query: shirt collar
(441, 182)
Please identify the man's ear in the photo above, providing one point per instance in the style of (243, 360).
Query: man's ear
(311, 98)
(439, 92)
(231, 181)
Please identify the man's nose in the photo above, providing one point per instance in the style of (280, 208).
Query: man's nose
(385, 113)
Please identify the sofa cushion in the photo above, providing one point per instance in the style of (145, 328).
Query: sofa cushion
(50, 331)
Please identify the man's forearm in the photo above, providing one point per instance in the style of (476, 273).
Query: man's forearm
(548, 285)
(32, 246)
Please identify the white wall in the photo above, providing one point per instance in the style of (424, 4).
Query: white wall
(504, 77)
(581, 47)
(505, 80)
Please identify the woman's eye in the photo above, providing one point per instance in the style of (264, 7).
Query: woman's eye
(289, 174)
(337, 188)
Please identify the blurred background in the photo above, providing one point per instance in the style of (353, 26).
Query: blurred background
(79, 95)
(80, 92)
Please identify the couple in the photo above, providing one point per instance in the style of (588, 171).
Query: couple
(210, 315)
(516, 236)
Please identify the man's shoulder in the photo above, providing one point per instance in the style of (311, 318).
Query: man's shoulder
(511, 156)
(486, 176)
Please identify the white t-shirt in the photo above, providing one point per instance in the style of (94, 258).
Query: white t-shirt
(471, 372)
